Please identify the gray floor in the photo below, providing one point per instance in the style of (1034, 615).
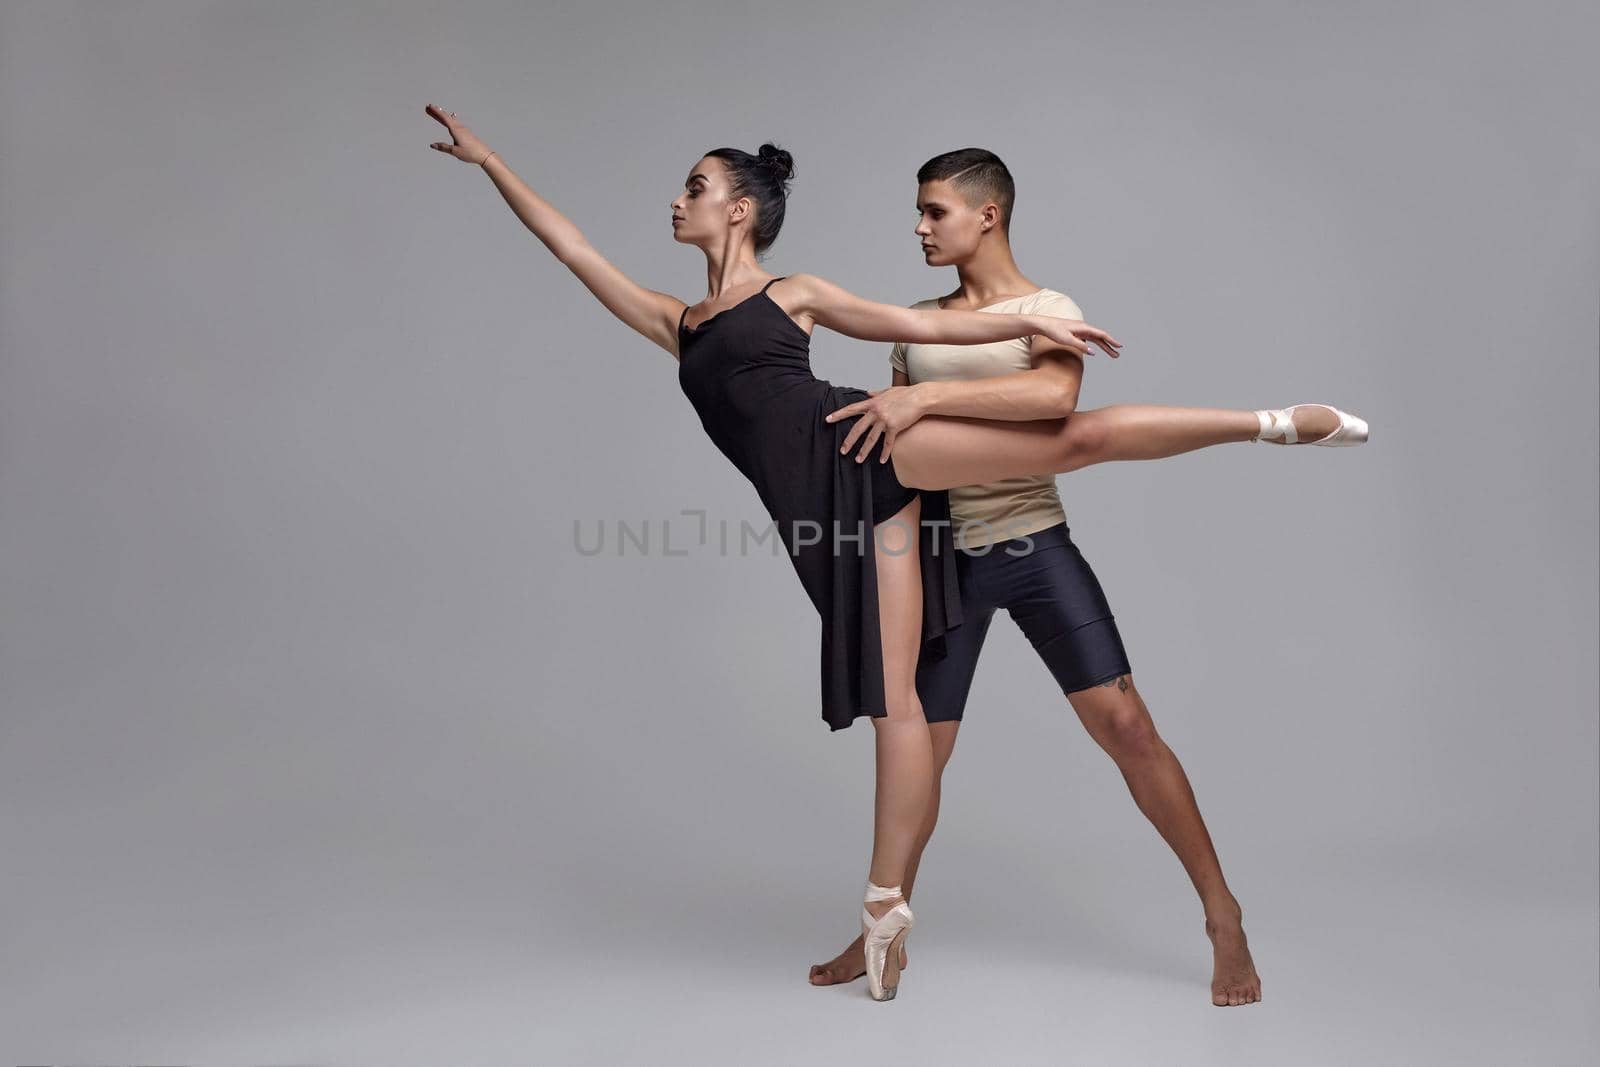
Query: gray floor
(1391, 967)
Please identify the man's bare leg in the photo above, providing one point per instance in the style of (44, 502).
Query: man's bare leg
(851, 964)
(1116, 717)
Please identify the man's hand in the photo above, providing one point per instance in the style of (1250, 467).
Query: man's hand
(888, 412)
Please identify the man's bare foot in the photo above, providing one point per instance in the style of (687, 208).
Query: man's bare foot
(848, 965)
(1233, 977)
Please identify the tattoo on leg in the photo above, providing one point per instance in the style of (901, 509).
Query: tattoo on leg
(1120, 681)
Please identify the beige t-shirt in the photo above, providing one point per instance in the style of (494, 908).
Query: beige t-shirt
(984, 514)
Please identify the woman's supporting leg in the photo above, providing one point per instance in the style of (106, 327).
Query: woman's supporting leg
(904, 746)
(851, 964)
(944, 743)
(942, 451)
(1116, 717)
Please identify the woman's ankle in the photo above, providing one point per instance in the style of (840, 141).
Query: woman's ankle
(880, 899)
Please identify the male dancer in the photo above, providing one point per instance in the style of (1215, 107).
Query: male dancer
(1016, 549)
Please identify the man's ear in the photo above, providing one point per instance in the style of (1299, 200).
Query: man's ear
(991, 216)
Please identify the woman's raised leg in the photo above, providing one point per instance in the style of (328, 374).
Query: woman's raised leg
(942, 451)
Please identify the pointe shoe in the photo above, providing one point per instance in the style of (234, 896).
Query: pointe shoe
(882, 935)
(1277, 425)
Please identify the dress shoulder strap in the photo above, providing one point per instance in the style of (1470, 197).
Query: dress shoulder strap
(764, 288)
(681, 316)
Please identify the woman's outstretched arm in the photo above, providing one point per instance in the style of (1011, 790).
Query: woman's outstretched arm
(651, 313)
(844, 312)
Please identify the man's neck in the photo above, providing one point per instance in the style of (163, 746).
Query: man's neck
(988, 277)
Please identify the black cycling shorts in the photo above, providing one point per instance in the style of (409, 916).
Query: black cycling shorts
(1054, 597)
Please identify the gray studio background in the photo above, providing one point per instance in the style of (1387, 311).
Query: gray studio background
(321, 743)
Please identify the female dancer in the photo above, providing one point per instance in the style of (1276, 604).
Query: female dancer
(744, 365)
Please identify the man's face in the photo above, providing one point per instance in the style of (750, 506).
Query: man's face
(948, 226)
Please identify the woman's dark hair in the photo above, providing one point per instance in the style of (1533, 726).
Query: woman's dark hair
(764, 178)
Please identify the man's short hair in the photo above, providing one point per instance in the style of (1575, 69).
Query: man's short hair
(980, 177)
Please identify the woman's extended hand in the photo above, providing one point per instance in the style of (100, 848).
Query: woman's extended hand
(887, 413)
(1075, 334)
(467, 147)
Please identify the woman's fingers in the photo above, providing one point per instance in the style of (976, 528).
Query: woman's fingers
(1086, 334)
(467, 147)
(844, 412)
(888, 443)
(449, 118)
(1097, 334)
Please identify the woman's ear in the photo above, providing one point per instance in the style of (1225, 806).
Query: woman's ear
(739, 209)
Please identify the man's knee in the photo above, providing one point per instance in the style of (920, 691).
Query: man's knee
(1118, 719)
(1129, 733)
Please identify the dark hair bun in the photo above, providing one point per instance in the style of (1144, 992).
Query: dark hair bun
(779, 161)
(764, 177)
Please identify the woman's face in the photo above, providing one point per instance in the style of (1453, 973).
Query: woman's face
(948, 226)
(703, 212)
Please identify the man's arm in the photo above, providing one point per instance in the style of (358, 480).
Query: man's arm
(1048, 390)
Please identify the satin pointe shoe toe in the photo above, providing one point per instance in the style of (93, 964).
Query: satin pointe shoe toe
(1277, 427)
(881, 939)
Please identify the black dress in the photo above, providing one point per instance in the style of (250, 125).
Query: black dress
(747, 371)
